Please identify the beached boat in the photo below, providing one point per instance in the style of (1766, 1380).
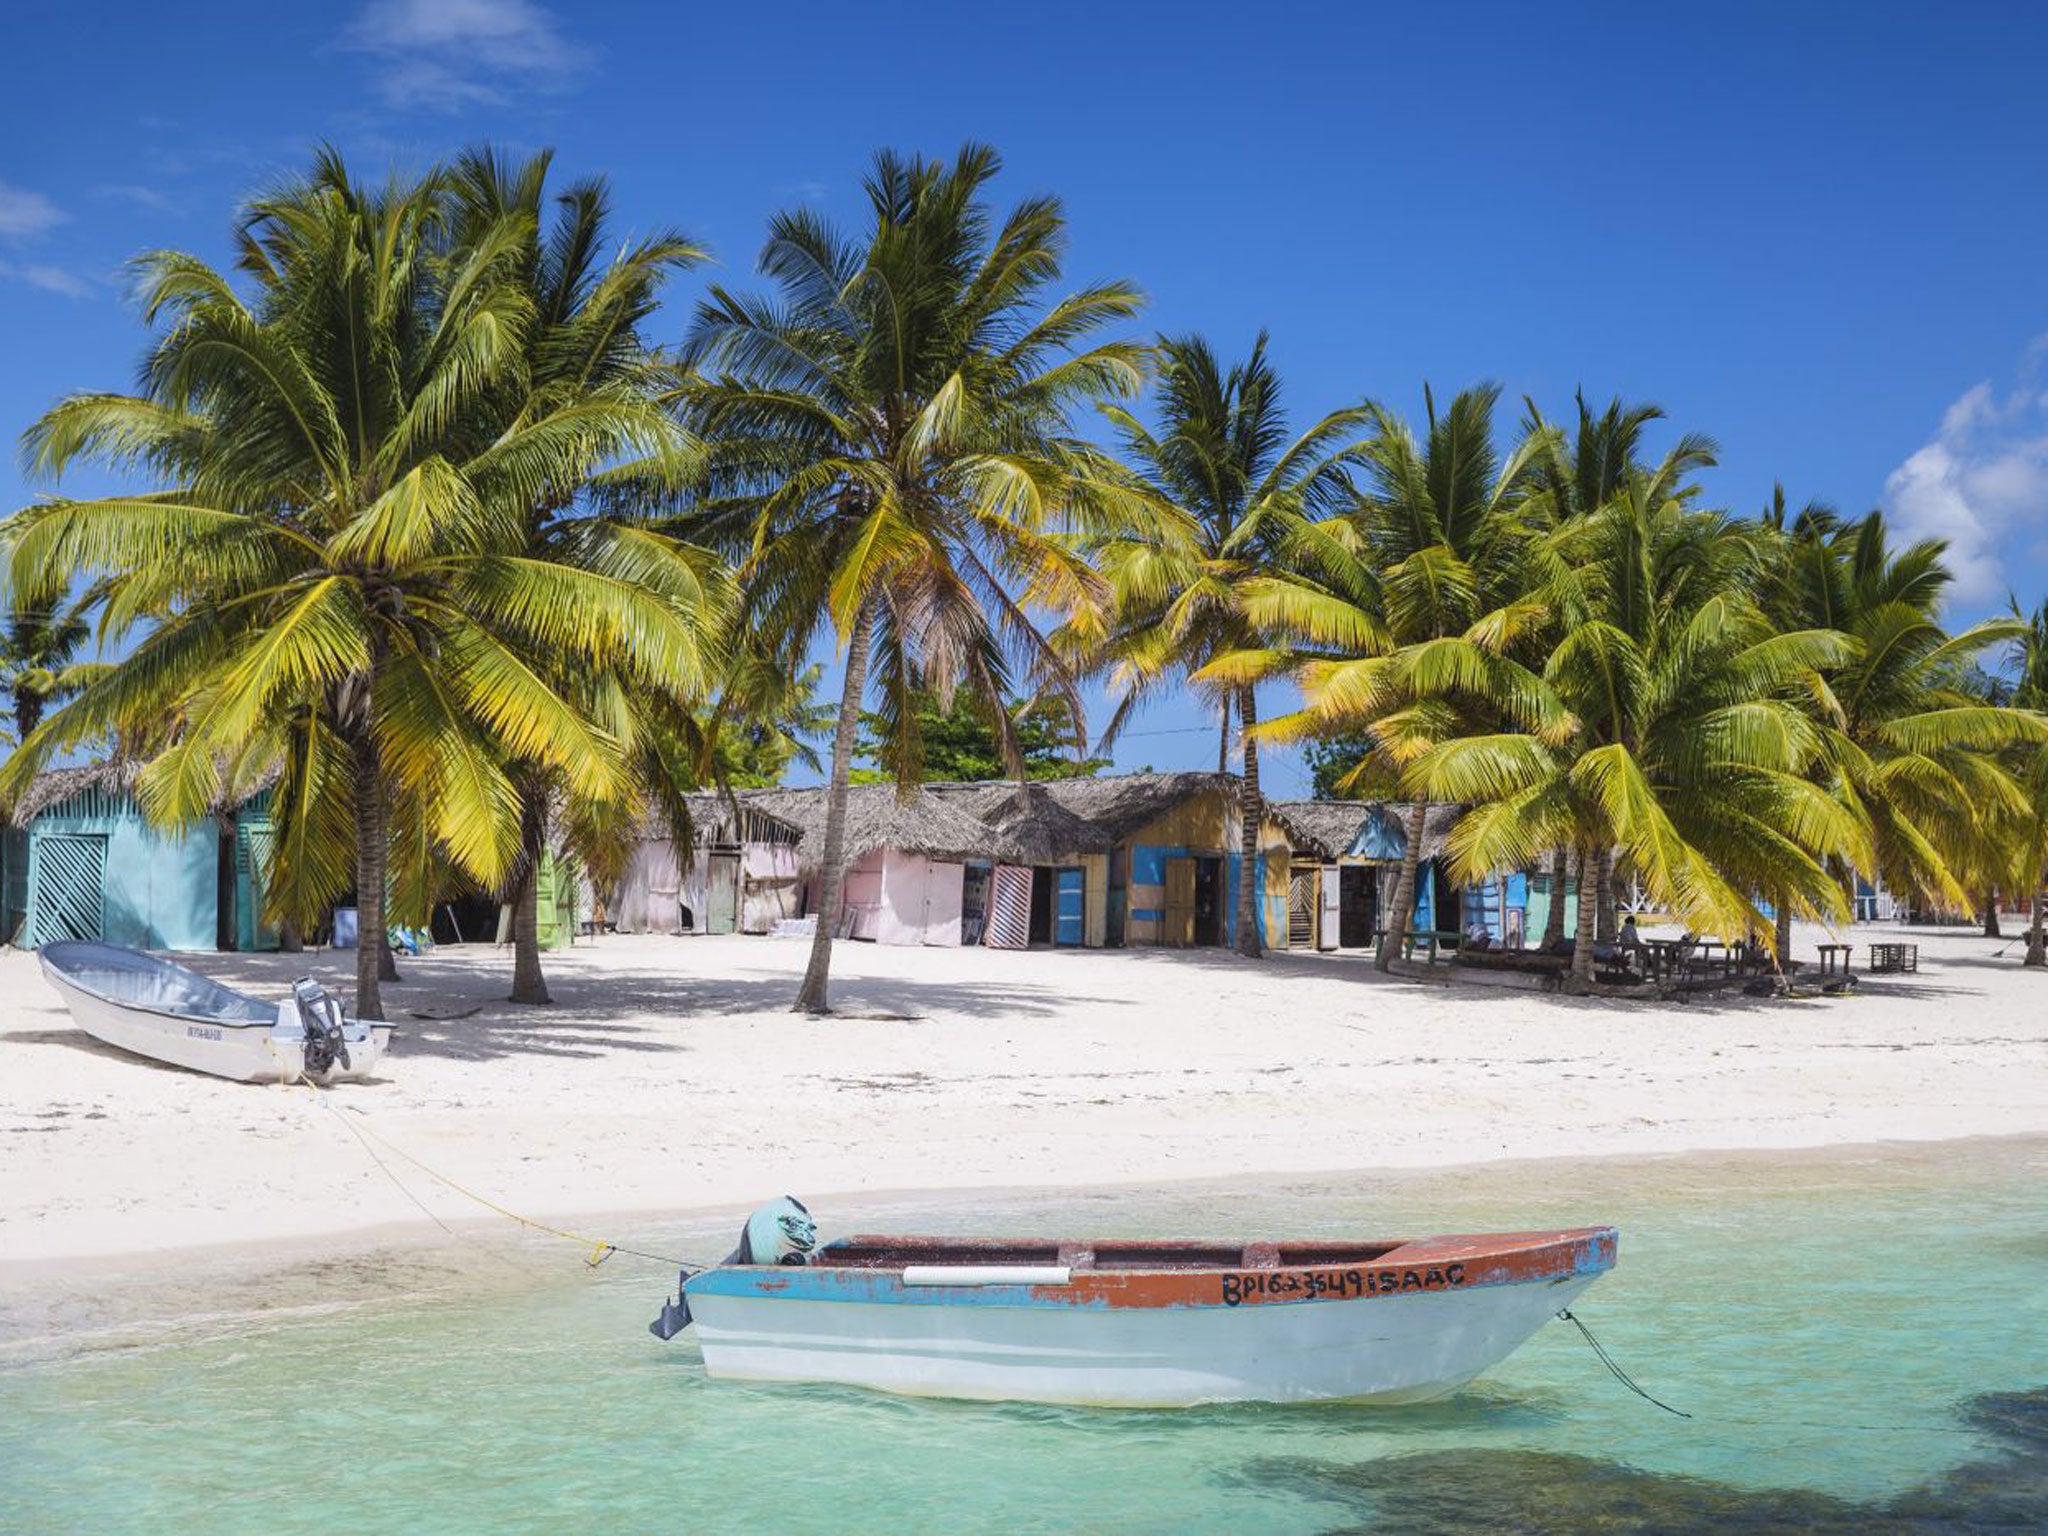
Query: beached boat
(1140, 1324)
(149, 1006)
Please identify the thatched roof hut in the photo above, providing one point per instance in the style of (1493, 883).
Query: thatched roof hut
(929, 822)
(54, 786)
(1374, 829)
(1037, 823)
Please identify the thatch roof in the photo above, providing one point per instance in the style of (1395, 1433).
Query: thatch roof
(1047, 820)
(1328, 827)
(54, 786)
(116, 776)
(876, 817)
(1334, 827)
(712, 821)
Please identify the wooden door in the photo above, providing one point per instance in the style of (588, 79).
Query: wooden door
(722, 893)
(944, 900)
(1009, 908)
(1180, 903)
(68, 886)
(1302, 903)
(1068, 904)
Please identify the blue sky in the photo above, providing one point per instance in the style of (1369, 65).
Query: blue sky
(1818, 233)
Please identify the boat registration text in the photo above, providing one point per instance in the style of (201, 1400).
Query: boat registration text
(1335, 1284)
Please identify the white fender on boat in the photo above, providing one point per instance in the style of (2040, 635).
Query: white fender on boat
(987, 1274)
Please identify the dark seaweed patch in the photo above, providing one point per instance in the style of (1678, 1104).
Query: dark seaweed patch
(1542, 1492)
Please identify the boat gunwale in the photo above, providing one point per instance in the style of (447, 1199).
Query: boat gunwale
(57, 975)
(1441, 1265)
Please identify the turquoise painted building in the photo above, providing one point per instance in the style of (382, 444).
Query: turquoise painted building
(82, 862)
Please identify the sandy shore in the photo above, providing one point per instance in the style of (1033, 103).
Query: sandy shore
(667, 1077)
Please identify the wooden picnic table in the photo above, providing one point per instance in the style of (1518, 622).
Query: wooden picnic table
(1828, 962)
(1894, 957)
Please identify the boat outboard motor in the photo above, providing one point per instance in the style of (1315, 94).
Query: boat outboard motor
(781, 1232)
(320, 1016)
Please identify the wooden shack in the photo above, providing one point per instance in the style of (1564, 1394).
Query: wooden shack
(82, 862)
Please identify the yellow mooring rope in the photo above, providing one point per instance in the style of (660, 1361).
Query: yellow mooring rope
(597, 1249)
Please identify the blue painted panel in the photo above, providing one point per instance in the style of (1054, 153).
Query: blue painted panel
(162, 888)
(1067, 898)
(1380, 836)
(1232, 862)
(1148, 862)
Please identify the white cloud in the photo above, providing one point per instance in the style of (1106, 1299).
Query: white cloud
(449, 54)
(24, 214)
(48, 278)
(1981, 483)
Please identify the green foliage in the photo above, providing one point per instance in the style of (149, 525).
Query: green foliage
(1332, 759)
(961, 744)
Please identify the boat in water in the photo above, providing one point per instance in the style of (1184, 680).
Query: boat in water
(153, 1008)
(1154, 1323)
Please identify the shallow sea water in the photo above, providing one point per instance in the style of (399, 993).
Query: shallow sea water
(1861, 1336)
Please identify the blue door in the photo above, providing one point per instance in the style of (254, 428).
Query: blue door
(1066, 928)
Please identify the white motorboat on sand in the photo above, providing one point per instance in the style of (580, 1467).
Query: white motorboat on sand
(149, 1006)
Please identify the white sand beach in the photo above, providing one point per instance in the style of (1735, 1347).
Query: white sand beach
(669, 1077)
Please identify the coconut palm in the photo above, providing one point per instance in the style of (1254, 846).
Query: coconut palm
(37, 657)
(889, 448)
(1574, 474)
(2029, 658)
(336, 557)
(1187, 588)
(1909, 748)
(1688, 744)
(1404, 614)
(588, 369)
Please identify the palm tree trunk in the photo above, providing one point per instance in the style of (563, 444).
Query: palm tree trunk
(387, 963)
(1586, 936)
(529, 985)
(1404, 890)
(813, 996)
(1223, 741)
(1560, 877)
(288, 940)
(1783, 938)
(2037, 936)
(1991, 916)
(370, 860)
(1603, 883)
(1251, 815)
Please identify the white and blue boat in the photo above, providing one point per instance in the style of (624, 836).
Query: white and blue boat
(1139, 1323)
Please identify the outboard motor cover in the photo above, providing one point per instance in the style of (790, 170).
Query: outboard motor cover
(320, 1016)
(781, 1232)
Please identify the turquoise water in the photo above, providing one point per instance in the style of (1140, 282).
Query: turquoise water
(1861, 1337)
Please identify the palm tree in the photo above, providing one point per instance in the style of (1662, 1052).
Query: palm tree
(588, 370)
(1573, 475)
(889, 449)
(335, 573)
(1412, 605)
(2029, 656)
(1187, 588)
(36, 657)
(1908, 747)
(1687, 741)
